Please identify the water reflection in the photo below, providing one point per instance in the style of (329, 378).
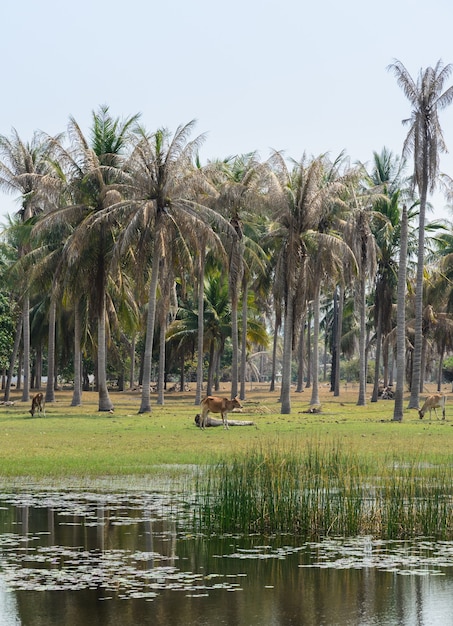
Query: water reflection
(126, 559)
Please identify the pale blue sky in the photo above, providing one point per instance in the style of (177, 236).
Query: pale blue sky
(295, 75)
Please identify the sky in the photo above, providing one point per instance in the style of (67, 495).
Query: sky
(296, 76)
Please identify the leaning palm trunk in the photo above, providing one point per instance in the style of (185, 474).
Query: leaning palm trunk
(50, 387)
(401, 323)
(26, 355)
(77, 393)
(105, 404)
(315, 355)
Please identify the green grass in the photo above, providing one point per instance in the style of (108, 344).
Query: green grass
(346, 471)
(80, 441)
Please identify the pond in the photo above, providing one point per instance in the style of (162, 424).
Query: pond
(122, 556)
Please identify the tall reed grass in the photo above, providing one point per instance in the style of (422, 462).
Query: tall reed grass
(324, 490)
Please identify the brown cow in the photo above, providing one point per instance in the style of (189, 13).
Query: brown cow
(436, 401)
(38, 404)
(218, 405)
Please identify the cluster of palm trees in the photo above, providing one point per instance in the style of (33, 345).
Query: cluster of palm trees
(125, 238)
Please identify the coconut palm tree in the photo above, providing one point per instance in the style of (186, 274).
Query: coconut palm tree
(162, 209)
(238, 182)
(425, 142)
(92, 170)
(327, 255)
(25, 170)
(360, 238)
(386, 231)
(300, 198)
(388, 182)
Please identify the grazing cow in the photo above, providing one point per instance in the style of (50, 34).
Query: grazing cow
(218, 405)
(37, 404)
(436, 401)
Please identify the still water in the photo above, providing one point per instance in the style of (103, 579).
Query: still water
(129, 557)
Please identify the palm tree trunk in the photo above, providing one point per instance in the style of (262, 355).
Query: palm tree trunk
(387, 371)
(199, 390)
(105, 404)
(333, 371)
(315, 354)
(145, 406)
(274, 356)
(418, 327)
(285, 396)
(362, 343)
(300, 351)
(423, 363)
(50, 392)
(374, 397)
(401, 322)
(243, 338)
(161, 375)
(77, 392)
(26, 348)
(235, 346)
(211, 368)
(439, 369)
(218, 359)
(336, 391)
(309, 352)
(13, 358)
(182, 378)
(132, 368)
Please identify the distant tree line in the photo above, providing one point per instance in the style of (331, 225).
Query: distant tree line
(131, 259)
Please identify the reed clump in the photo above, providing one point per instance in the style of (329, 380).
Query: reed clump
(321, 490)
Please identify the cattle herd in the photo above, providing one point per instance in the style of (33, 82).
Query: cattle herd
(217, 404)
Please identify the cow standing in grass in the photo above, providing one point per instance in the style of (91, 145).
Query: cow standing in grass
(436, 401)
(38, 404)
(214, 404)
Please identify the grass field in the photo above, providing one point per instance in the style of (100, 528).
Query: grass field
(82, 442)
